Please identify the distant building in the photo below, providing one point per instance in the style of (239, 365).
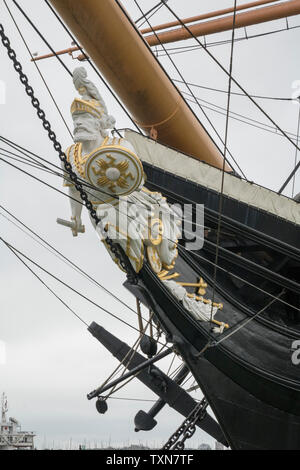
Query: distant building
(204, 447)
(11, 436)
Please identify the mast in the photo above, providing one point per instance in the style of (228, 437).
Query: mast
(121, 54)
(4, 408)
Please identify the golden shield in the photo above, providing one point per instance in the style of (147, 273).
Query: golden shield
(115, 170)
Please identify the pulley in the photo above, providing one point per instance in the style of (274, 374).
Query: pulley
(101, 405)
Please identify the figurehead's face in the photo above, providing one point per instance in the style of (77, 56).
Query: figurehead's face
(86, 127)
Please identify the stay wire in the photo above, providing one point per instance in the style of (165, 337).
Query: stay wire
(74, 199)
(46, 42)
(223, 169)
(234, 329)
(126, 362)
(267, 128)
(211, 243)
(182, 49)
(11, 248)
(296, 150)
(242, 89)
(233, 92)
(38, 70)
(66, 177)
(41, 181)
(42, 37)
(194, 254)
(209, 343)
(94, 68)
(25, 152)
(62, 171)
(191, 91)
(149, 13)
(68, 286)
(63, 257)
(24, 161)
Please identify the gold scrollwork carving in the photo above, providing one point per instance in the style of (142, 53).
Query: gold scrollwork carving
(155, 231)
(119, 177)
(154, 259)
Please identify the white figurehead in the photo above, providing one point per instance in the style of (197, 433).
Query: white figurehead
(129, 213)
(140, 221)
(90, 117)
(91, 124)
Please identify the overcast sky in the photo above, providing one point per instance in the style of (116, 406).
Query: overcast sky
(52, 361)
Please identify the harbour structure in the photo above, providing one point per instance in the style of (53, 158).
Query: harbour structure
(11, 435)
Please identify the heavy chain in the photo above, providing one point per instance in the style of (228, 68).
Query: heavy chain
(115, 249)
(187, 428)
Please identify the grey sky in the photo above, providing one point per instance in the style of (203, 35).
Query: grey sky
(52, 361)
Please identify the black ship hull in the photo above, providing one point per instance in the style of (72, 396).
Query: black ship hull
(249, 378)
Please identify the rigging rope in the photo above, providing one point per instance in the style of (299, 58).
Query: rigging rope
(250, 263)
(234, 329)
(223, 169)
(194, 254)
(47, 43)
(267, 127)
(114, 248)
(242, 89)
(129, 355)
(42, 37)
(156, 7)
(10, 247)
(296, 151)
(233, 92)
(94, 68)
(82, 181)
(181, 49)
(47, 126)
(66, 285)
(66, 260)
(38, 69)
(191, 91)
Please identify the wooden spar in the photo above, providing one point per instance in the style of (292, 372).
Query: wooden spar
(191, 19)
(261, 15)
(205, 16)
(127, 63)
(64, 51)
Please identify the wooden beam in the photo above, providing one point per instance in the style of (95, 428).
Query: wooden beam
(261, 15)
(112, 41)
(205, 16)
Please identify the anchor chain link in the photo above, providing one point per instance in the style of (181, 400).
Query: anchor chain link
(115, 249)
(187, 428)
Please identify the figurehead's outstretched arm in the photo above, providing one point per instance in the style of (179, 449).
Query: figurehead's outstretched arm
(76, 207)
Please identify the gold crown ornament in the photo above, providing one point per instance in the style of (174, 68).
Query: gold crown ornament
(92, 106)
